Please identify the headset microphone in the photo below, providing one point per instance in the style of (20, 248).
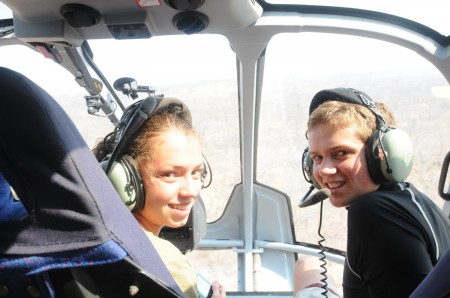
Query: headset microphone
(318, 197)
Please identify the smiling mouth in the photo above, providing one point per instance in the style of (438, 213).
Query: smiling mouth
(333, 185)
(179, 207)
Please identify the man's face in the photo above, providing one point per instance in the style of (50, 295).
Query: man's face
(340, 163)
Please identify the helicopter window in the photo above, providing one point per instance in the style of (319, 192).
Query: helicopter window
(297, 67)
(199, 69)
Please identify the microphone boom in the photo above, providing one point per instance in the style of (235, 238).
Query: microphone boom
(319, 196)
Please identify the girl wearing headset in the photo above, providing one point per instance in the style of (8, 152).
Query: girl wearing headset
(165, 153)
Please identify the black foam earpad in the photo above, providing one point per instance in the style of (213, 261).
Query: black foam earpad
(307, 167)
(127, 181)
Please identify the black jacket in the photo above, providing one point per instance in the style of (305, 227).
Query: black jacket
(396, 235)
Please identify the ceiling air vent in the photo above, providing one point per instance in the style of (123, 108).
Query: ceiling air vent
(190, 22)
(78, 15)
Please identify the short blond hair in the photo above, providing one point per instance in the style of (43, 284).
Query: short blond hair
(338, 114)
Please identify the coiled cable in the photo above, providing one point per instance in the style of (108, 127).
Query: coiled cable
(322, 255)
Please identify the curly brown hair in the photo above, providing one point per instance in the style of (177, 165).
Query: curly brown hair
(150, 136)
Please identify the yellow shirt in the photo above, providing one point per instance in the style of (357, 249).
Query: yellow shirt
(177, 264)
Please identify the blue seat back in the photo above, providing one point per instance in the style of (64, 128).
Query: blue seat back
(66, 214)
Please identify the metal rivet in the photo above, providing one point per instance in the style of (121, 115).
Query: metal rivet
(3, 290)
(33, 291)
(133, 290)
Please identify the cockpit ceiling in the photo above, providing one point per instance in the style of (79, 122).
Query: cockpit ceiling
(129, 19)
(68, 22)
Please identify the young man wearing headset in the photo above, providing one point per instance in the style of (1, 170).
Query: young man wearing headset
(395, 233)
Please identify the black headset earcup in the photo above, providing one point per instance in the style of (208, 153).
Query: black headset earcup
(204, 172)
(127, 181)
(307, 166)
(389, 154)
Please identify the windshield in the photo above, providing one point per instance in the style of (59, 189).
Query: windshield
(201, 70)
(298, 66)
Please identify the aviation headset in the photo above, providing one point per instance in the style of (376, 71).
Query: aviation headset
(389, 152)
(120, 166)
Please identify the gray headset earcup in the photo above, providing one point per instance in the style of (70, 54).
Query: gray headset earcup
(399, 151)
(308, 170)
(127, 182)
(389, 156)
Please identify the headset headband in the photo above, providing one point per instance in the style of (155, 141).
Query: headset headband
(348, 95)
(135, 116)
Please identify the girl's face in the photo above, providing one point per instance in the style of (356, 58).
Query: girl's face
(172, 182)
(340, 163)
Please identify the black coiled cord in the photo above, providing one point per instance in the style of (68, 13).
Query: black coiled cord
(323, 257)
